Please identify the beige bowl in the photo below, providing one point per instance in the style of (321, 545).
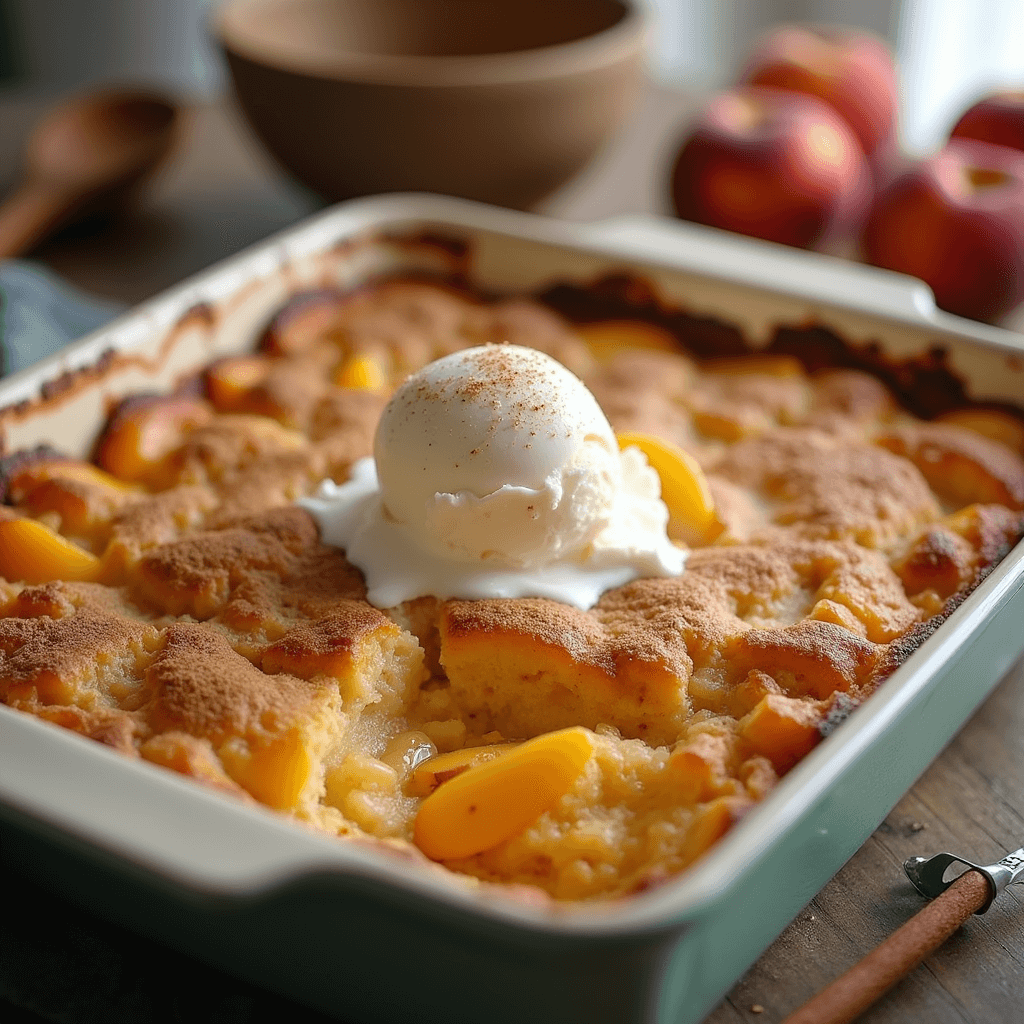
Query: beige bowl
(497, 100)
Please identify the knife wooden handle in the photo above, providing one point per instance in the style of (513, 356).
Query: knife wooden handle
(852, 993)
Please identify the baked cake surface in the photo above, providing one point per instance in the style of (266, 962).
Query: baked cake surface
(170, 600)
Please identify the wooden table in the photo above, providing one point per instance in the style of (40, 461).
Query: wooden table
(220, 194)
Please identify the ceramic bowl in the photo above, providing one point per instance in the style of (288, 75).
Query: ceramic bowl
(501, 101)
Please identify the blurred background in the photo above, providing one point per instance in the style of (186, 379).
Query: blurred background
(948, 51)
(220, 190)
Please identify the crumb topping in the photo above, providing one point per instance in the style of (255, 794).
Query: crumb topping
(221, 639)
(202, 686)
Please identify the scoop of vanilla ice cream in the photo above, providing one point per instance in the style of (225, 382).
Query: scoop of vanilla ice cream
(496, 474)
(498, 454)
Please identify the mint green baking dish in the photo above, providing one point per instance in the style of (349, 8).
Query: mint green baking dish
(360, 932)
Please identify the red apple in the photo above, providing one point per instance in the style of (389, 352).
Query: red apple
(850, 70)
(772, 164)
(998, 119)
(956, 220)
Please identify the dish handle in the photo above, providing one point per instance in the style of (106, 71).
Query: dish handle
(768, 265)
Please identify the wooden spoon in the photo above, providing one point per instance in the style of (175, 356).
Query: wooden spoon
(84, 157)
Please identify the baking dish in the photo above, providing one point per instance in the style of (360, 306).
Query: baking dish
(349, 927)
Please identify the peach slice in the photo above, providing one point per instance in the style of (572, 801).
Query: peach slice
(275, 774)
(608, 338)
(229, 381)
(32, 552)
(684, 488)
(962, 466)
(770, 364)
(305, 320)
(991, 423)
(144, 431)
(710, 823)
(361, 372)
(700, 768)
(493, 802)
(427, 776)
(81, 495)
(731, 427)
(66, 469)
(782, 728)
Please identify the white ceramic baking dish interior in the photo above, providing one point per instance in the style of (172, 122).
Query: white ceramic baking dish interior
(359, 931)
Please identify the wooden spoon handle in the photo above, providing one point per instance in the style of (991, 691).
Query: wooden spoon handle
(852, 993)
(28, 215)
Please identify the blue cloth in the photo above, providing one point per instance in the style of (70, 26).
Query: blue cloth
(40, 313)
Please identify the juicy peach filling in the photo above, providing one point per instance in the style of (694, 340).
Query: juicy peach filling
(684, 488)
(495, 800)
(587, 754)
(33, 553)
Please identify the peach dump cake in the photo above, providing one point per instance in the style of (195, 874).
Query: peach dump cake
(529, 667)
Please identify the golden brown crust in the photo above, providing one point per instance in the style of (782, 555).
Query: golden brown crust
(227, 643)
(327, 646)
(72, 659)
(824, 486)
(939, 560)
(198, 573)
(549, 622)
(406, 323)
(808, 658)
(644, 372)
(961, 465)
(110, 726)
(228, 442)
(851, 395)
(284, 390)
(349, 415)
(808, 610)
(157, 519)
(191, 756)
(524, 322)
(731, 405)
(203, 687)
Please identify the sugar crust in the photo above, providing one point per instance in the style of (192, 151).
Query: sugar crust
(227, 643)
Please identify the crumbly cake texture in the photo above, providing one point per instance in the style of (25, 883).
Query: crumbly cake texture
(224, 641)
